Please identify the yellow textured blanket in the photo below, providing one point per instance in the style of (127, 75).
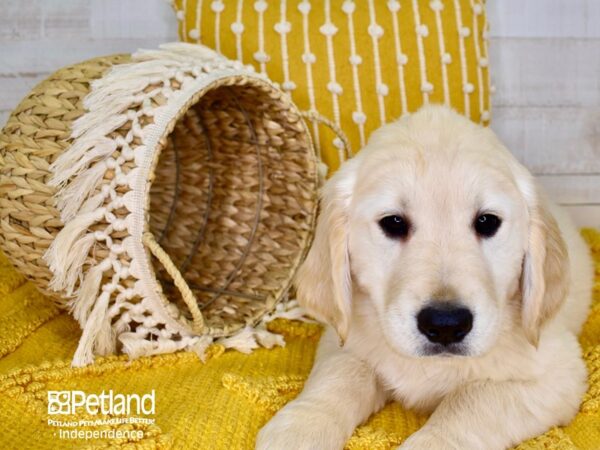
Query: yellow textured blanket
(219, 404)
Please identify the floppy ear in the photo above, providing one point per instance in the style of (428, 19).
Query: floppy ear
(323, 283)
(545, 279)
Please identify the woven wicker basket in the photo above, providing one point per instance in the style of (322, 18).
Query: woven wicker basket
(167, 204)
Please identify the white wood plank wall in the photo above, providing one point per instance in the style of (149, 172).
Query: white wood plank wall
(545, 64)
(545, 60)
(39, 36)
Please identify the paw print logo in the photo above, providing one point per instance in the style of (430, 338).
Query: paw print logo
(59, 402)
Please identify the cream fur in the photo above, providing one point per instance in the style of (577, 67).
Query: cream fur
(522, 373)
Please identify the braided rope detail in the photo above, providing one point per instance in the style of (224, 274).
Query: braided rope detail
(186, 293)
(321, 119)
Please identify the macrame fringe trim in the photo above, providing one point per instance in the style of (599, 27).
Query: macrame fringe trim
(251, 338)
(245, 341)
(78, 173)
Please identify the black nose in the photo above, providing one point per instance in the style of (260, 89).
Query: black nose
(445, 325)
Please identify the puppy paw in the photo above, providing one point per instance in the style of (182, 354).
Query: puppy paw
(300, 429)
(277, 436)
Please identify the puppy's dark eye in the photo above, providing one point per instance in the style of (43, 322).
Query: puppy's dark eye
(395, 226)
(486, 225)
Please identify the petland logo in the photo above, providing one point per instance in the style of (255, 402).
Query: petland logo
(72, 402)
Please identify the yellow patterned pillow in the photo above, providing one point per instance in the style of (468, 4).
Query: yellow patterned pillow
(360, 64)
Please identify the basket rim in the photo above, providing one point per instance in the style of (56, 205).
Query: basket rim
(164, 124)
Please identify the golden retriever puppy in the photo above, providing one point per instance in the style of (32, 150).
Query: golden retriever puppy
(450, 285)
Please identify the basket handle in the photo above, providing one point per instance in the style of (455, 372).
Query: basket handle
(186, 293)
(321, 119)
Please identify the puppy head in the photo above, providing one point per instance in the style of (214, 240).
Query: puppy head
(439, 231)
